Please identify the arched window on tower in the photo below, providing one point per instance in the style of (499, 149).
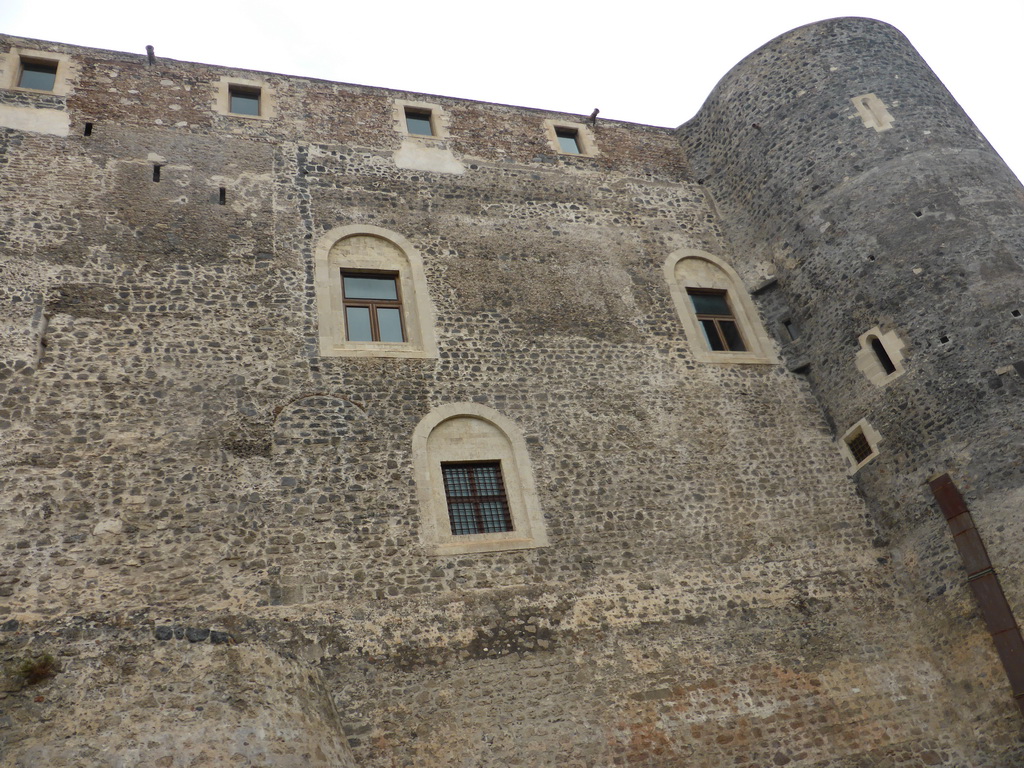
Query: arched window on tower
(880, 356)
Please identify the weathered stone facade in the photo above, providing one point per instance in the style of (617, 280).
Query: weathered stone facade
(215, 547)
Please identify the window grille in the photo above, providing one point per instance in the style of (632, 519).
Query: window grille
(476, 498)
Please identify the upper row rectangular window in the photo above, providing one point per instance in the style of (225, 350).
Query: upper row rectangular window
(568, 140)
(38, 75)
(418, 123)
(244, 101)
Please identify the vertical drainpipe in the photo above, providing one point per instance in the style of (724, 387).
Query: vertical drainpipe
(983, 582)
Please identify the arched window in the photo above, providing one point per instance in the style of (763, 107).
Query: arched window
(718, 317)
(371, 296)
(474, 483)
(880, 356)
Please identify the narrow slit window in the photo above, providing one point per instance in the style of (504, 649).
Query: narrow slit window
(790, 329)
(156, 173)
(88, 130)
(373, 307)
(476, 498)
(38, 75)
(716, 320)
(883, 357)
(244, 101)
(418, 122)
(568, 140)
(223, 197)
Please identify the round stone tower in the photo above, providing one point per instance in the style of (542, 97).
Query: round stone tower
(883, 238)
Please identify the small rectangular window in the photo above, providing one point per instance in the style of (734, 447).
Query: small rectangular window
(476, 498)
(859, 447)
(244, 101)
(373, 307)
(568, 140)
(38, 75)
(417, 122)
(717, 321)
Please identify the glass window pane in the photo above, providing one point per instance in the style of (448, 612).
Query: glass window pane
(357, 321)
(389, 323)
(245, 103)
(733, 340)
(370, 287)
(710, 304)
(41, 77)
(418, 123)
(567, 142)
(711, 336)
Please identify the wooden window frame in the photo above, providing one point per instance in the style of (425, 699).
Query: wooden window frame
(478, 500)
(717, 319)
(373, 304)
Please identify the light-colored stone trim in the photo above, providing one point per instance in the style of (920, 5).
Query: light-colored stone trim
(440, 121)
(873, 112)
(584, 137)
(870, 434)
(472, 432)
(10, 69)
(222, 97)
(402, 258)
(689, 268)
(869, 364)
(425, 153)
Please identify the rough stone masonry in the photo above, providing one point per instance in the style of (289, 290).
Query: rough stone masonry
(228, 496)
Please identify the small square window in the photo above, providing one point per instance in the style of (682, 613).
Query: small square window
(568, 140)
(38, 75)
(715, 317)
(244, 101)
(418, 122)
(476, 498)
(859, 447)
(373, 307)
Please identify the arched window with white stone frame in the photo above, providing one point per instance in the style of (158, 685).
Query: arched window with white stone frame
(371, 295)
(474, 483)
(718, 317)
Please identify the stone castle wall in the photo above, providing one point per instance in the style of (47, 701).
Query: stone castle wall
(215, 528)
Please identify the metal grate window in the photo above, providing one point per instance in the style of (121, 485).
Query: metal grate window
(859, 447)
(476, 498)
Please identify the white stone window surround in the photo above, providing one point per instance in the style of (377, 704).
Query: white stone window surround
(395, 255)
(690, 268)
(870, 434)
(867, 360)
(11, 69)
(439, 119)
(222, 97)
(469, 432)
(584, 137)
(873, 112)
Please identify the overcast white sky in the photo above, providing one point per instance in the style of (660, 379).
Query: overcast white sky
(642, 61)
